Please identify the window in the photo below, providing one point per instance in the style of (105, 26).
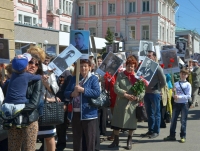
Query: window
(145, 32)
(80, 10)
(29, 1)
(92, 10)
(61, 27)
(64, 5)
(50, 25)
(67, 7)
(34, 22)
(131, 32)
(111, 9)
(145, 6)
(131, 7)
(60, 4)
(20, 18)
(163, 33)
(27, 20)
(92, 31)
(70, 8)
(50, 4)
(65, 28)
(160, 33)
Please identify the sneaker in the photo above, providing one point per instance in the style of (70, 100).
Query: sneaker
(182, 140)
(154, 135)
(146, 134)
(169, 138)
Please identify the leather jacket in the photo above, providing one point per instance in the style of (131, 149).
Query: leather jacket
(33, 95)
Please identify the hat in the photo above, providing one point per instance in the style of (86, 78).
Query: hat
(27, 56)
(91, 54)
(195, 61)
(19, 64)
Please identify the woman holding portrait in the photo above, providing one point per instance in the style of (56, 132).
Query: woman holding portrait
(124, 117)
(83, 116)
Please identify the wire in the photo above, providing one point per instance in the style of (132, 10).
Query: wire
(194, 5)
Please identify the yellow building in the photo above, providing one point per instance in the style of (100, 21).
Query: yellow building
(7, 23)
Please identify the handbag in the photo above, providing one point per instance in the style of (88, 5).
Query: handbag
(102, 101)
(141, 113)
(53, 112)
(189, 100)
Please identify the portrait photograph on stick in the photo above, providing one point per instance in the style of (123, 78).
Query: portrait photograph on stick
(65, 59)
(115, 47)
(122, 55)
(196, 56)
(109, 48)
(4, 51)
(145, 46)
(170, 61)
(187, 55)
(147, 69)
(80, 40)
(181, 49)
(110, 64)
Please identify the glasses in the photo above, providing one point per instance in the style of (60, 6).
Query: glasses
(32, 62)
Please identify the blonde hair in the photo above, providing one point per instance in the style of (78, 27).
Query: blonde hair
(37, 51)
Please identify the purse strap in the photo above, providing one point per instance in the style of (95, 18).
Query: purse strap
(52, 93)
(182, 88)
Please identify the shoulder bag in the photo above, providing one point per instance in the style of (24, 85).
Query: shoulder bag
(189, 100)
(102, 101)
(53, 112)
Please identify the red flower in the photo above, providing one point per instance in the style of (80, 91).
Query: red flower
(162, 65)
(171, 60)
(144, 81)
(170, 66)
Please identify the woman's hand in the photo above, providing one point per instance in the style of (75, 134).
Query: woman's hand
(74, 94)
(130, 97)
(45, 78)
(78, 88)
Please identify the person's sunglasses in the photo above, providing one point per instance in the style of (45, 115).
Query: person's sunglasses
(32, 62)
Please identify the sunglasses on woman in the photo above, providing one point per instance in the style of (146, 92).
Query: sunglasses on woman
(32, 62)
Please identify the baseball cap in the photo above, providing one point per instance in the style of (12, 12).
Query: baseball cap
(195, 61)
(19, 64)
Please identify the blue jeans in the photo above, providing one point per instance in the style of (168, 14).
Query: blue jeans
(152, 105)
(177, 109)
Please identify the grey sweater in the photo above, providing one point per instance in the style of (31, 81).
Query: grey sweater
(157, 82)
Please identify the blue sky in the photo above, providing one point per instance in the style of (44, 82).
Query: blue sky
(188, 14)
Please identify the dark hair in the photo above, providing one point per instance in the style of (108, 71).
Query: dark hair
(154, 53)
(99, 57)
(85, 61)
(8, 68)
(78, 33)
(183, 70)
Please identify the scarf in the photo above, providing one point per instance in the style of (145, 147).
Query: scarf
(130, 76)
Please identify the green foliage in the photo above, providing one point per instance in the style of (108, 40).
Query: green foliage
(109, 36)
(138, 88)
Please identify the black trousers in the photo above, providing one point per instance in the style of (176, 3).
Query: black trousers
(61, 133)
(162, 113)
(82, 128)
(102, 113)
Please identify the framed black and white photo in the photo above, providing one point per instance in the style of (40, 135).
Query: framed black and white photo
(122, 55)
(181, 49)
(115, 47)
(196, 56)
(147, 69)
(167, 47)
(145, 46)
(110, 64)
(109, 48)
(65, 59)
(170, 61)
(80, 40)
(187, 55)
(4, 51)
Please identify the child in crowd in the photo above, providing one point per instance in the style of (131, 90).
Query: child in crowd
(16, 93)
(182, 95)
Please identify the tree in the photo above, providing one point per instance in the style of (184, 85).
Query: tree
(110, 39)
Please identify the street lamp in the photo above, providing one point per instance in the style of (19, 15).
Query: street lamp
(46, 43)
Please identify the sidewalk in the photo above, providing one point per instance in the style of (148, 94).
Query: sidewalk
(157, 144)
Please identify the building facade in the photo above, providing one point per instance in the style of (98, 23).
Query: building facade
(42, 22)
(129, 20)
(6, 23)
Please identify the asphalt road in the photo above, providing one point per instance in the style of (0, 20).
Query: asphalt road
(157, 144)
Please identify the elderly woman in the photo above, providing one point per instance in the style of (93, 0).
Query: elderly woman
(27, 135)
(124, 117)
(83, 116)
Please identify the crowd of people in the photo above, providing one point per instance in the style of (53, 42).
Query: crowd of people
(163, 102)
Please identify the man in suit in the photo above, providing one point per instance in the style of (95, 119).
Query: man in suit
(61, 63)
(146, 71)
(145, 49)
(79, 40)
(195, 83)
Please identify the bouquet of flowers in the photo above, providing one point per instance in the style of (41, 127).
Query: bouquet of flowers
(138, 88)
